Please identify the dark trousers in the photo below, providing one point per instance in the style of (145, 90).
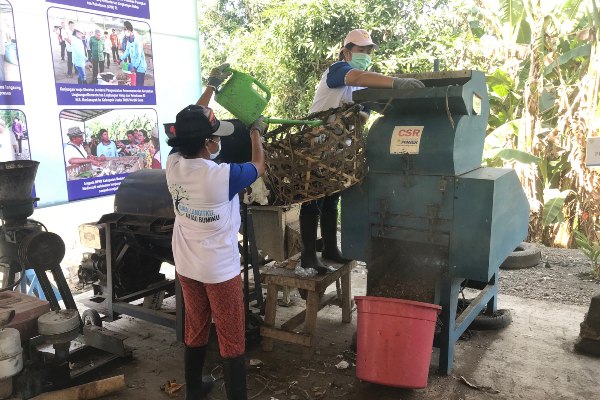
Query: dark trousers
(20, 141)
(107, 59)
(316, 207)
(115, 53)
(63, 48)
(69, 63)
(95, 65)
(139, 78)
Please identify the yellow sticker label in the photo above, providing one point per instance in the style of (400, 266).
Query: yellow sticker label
(406, 140)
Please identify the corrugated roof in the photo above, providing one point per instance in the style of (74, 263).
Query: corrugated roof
(81, 115)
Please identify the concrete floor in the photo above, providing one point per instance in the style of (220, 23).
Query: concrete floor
(533, 358)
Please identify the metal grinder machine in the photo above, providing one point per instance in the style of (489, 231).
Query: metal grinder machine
(40, 349)
(429, 220)
(130, 246)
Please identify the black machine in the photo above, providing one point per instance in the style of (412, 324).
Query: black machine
(44, 331)
(131, 245)
(26, 243)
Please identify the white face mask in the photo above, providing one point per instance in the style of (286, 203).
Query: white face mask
(215, 155)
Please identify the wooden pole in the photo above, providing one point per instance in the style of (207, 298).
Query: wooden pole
(88, 391)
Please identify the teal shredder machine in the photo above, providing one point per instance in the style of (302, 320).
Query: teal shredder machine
(429, 220)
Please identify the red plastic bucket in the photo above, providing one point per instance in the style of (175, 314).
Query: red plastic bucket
(133, 79)
(394, 341)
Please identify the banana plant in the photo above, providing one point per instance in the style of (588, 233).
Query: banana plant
(554, 202)
(532, 96)
(590, 247)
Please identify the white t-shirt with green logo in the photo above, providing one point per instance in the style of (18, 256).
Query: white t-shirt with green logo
(205, 241)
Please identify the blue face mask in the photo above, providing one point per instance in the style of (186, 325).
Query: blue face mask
(215, 155)
(360, 61)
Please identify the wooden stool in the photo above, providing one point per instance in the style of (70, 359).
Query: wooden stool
(278, 278)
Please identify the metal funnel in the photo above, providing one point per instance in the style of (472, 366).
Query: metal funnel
(16, 184)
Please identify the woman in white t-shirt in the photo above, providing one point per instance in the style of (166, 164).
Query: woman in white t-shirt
(205, 244)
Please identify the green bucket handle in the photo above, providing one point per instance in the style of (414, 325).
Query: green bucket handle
(254, 80)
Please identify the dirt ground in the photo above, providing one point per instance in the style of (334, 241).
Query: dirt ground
(563, 276)
(531, 359)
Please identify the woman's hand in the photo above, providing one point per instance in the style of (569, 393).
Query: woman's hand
(218, 75)
(260, 125)
(407, 83)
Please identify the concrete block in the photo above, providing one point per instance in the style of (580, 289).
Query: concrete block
(592, 318)
(589, 334)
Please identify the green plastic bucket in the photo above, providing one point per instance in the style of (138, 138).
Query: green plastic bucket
(243, 96)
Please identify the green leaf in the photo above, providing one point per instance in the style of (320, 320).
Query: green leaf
(581, 51)
(571, 8)
(500, 83)
(512, 11)
(518, 155)
(524, 34)
(554, 201)
(498, 136)
(582, 241)
(547, 100)
(476, 29)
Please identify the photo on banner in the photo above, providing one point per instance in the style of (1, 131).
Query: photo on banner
(11, 88)
(100, 59)
(14, 137)
(102, 146)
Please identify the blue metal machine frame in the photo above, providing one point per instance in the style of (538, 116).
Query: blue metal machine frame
(428, 219)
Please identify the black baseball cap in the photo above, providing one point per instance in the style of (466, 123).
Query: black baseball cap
(200, 122)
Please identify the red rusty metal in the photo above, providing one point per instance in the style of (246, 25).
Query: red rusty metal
(27, 310)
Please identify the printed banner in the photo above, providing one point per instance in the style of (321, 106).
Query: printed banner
(132, 8)
(78, 92)
(11, 88)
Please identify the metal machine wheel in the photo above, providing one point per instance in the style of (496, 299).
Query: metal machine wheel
(91, 317)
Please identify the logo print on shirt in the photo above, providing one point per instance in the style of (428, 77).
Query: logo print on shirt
(178, 193)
